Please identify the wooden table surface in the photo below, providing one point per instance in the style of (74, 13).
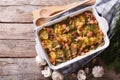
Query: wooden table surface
(17, 44)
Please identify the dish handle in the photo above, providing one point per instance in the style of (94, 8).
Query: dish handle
(104, 23)
(102, 20)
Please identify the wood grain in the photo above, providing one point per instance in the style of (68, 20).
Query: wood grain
(35, 2)
(17, 48)
(21, 10)
(17, 13)
(17, 40)
(19, 69)
(17, 31)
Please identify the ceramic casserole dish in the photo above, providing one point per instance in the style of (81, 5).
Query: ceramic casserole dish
(103, 25)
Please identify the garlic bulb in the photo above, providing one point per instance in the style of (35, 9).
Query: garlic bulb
(57, 76)
(46, 72)
(81, 75)
(40, 61)
(98, 71)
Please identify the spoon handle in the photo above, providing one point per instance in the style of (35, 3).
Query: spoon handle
(56, 10)
(61, 9)
(69, 7)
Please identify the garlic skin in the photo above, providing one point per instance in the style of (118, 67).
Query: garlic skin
(87, 70)
(40, 61)
(98, 71)
(81, 75)
(46, 72)
(57, 76)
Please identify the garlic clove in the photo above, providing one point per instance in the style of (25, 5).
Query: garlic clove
(81, 75)
(57, 76)
(47, 72)
(40, 61)
(98, 71)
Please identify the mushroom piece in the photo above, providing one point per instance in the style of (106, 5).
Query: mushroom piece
(98, 71)
(57, 76)
(40, 61)
(47, 72)
(81, 75)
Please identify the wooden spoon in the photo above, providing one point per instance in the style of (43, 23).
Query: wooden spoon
(48, 13)
(47, 17)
